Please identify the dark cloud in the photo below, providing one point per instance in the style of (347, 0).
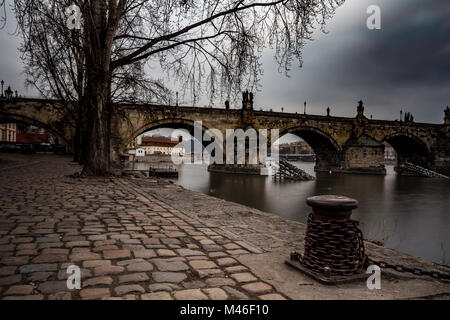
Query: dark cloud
(11, 66)
(411, 50)
(404, 65)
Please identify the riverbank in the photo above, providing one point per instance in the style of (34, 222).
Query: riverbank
(270, 239)
(143, 238)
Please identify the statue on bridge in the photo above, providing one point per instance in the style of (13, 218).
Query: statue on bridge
(247, 100)
(360, 108)
(8, 93)
(409, 117)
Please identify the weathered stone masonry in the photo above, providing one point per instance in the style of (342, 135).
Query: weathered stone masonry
(341, 144)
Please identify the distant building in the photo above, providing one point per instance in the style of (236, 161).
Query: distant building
(33, 135)
(139, 152)
(299, 147)
(8, 132)
(160, 146)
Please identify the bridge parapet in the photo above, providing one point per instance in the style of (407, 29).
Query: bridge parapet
(43, 113)
(340, 143)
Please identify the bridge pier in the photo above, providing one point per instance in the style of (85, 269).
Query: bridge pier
(341, 144)
(363, 155)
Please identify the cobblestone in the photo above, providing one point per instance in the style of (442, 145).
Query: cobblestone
(26, 298)
(257, 287)
(53, 287)
(95, 293)
(163, 265)
(116, 254)
(5, 271)
(97, 281)
(173, 277)
(137, 239)
(189, 252)
(121, 290)
(5, 281)
(104, 270)
(19, 290)
(191, 294)
(39, 276)
(272, 296)
(163, 287)
(202, 264)
(156, 296)
(84, 256)
(165, 253)
(194, 284)
(44, 258)
(216, 294)
(133, 277)
(226, 262)
(218, 282)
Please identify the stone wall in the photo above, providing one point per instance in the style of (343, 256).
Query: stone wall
(371, 158)
(330, 137)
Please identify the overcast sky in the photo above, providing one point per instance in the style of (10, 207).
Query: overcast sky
(405, 65)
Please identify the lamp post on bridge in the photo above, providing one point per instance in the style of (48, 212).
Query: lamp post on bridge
(304, 108)
(3, 82)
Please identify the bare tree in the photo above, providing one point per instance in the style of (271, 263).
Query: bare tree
(53, 68)
(57, 70)
(211, 47)
(2, 14)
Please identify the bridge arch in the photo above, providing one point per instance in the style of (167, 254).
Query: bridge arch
(15, 118)
(327, 150)
(409, 148)
(179, 123)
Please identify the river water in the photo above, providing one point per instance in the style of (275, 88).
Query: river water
(410, 214)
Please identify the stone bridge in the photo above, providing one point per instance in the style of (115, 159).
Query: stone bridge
(341, 144)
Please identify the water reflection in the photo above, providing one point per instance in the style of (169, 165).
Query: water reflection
(411, 214)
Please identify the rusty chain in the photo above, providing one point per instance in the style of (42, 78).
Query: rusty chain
(416, 271)
(335, 247)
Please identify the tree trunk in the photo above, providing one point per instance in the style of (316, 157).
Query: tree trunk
(81, 143)
(77, 144)
(101, 24)
(98, 101)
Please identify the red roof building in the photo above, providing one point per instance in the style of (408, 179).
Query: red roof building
(159, 142)
(33, 137)
(160, 146)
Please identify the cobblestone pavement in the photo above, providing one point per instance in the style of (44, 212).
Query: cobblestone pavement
(141, 238)
(128, 244)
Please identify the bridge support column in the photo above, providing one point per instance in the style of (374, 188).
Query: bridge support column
(363, 155)
(245, 155)
(442, 148)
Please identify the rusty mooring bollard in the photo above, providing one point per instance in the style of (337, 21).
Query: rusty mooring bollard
(334, 247)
